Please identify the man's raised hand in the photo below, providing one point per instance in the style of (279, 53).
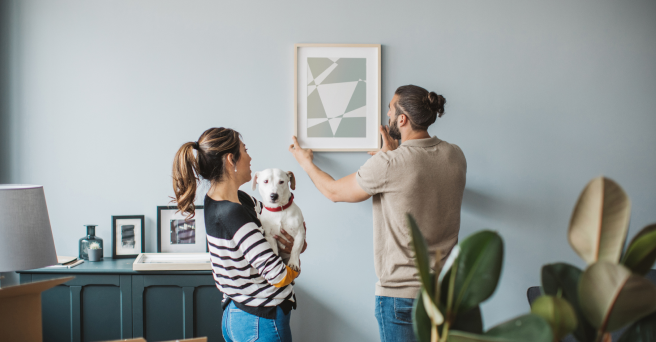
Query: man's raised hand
(389, 144)
(303, 155)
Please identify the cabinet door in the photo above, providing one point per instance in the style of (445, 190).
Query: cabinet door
(87, 308)
(169, 307)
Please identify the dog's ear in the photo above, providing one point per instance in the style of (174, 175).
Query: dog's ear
(255, 179)
(292, 180)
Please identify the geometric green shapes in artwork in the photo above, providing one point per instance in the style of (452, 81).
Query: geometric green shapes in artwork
(318, 65)
(347, 70)
(315, 107)
(321, 130)
(359, 97)
(352, 128)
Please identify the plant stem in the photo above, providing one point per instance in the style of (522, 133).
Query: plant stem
(445, 330)
(435, 335)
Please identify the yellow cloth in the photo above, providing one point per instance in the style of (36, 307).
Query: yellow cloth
(289, 277)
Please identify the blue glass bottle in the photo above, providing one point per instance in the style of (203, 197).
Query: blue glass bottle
(88, 240)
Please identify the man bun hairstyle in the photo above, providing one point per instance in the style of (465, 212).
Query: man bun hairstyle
(421, 106)
(207, 163)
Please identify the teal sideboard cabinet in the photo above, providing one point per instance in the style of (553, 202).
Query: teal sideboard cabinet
(107, 300)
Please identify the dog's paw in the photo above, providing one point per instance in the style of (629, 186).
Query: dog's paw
(294, 265)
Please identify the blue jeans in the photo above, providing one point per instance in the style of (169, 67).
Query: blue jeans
(240, 326)
(394, 317)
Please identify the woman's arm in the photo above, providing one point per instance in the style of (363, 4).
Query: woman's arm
(258, 253)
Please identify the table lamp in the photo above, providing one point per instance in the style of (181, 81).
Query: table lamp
(25, 236)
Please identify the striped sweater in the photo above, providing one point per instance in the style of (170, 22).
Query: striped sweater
(244, 266)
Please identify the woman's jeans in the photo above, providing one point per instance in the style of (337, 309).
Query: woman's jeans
(394, 317)
(240, 326)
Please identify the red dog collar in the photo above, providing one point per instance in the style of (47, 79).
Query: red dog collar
(289, 204)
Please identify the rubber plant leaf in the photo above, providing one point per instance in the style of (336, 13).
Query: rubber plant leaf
(600, 221)
(641, 253)
(421, 323)
(521, 329)
(431, 309)
(643, 330)
(612, 297)
(470, 321)
(422, 259)
(478, 268)
(564, 279)
(558, 312)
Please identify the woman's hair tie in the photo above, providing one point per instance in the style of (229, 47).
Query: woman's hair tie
(196, 146)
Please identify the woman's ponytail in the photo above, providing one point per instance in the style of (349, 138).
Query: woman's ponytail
(208, 163)
(185, 178)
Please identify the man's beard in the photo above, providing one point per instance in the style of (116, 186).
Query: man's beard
(394, 130)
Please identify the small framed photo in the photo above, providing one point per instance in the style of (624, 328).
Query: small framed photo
(127, 236)
(178, 234)
(337, 96)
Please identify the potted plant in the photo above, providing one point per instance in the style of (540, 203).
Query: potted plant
(95, 252)
(610, 294)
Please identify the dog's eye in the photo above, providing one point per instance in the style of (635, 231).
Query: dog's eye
(266, 181)
(281, 182)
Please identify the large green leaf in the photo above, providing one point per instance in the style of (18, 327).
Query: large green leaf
(564, 278)
(611, 296)
(641, 253)
(421, 323)
(478, 268)
(643, 330)
(558, 312)
(600, 221)
(470, 321)
(521, 329)
(422, 259)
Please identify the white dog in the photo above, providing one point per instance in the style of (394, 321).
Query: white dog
(280, 211)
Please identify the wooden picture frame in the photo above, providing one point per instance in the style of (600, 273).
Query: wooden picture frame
(132, 238)
(339, 109)
(193, 244)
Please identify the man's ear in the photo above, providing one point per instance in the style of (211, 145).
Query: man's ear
(403, 119)
(292, 180)
(255, 179)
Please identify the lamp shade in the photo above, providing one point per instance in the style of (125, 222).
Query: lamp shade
(25, 236)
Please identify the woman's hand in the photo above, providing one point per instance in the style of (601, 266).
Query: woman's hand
(286, 243)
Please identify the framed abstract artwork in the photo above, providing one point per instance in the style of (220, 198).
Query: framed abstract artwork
(127, 236)
(178, 234)
(337, 96)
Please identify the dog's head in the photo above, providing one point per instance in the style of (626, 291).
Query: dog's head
(273, 186)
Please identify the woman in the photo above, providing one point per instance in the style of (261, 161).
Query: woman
(256, 284)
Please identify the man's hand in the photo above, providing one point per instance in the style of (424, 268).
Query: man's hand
(303, 156)
(287, 242)
(389, 144)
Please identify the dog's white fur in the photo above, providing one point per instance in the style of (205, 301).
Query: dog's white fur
(274, 182)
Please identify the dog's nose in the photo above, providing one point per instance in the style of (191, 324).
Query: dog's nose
(274, 197)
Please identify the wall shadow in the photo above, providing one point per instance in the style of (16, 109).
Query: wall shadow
(312, 321)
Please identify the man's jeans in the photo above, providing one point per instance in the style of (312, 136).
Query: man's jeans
(240, 326)
(394, 317)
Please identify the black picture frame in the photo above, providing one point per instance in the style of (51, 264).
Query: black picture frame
(159, 225)
(142, 218)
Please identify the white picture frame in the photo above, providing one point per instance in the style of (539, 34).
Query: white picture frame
(172, 262)
(339, 108)
(178, 234)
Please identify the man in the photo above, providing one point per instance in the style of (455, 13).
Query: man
(424, 176)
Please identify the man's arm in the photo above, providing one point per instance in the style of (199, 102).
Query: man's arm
(345, 189)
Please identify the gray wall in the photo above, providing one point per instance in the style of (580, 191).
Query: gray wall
(542, 97)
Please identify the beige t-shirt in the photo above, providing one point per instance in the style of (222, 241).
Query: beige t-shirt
(423, 177)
